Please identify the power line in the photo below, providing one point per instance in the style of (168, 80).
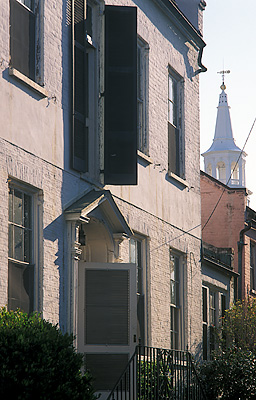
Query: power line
(223, 191)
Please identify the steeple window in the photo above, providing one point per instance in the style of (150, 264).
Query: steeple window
(234, 174)
(209, 169)
(221, 172)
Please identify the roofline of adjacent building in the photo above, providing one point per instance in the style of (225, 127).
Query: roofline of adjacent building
(215, 180)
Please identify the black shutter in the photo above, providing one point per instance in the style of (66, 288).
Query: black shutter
(173, 149)
(79, 86)
(22, 39)
(120, 137)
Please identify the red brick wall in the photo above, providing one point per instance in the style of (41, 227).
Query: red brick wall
(227, 221)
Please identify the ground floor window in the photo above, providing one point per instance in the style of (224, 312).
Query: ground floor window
(21, 247)
(176, 299)
(214, 304)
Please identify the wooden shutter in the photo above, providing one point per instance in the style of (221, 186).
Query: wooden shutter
(79, 86)
(173, 149)
(120, 137)
(22, 39)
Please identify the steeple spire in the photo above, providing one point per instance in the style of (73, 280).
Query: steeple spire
(221, 158)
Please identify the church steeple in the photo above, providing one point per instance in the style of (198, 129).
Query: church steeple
(222, 160)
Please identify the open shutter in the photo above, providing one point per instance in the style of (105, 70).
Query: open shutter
(79, 86)
(22, 39)
(120, 137)
(173, 149)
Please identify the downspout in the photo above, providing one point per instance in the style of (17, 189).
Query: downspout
(199, 60)
(240, 253)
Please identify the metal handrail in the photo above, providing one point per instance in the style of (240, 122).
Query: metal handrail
(155, 374)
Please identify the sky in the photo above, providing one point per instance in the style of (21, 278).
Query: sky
(230, 33)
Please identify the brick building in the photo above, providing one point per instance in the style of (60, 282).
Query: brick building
(99, 178)
(227, 219)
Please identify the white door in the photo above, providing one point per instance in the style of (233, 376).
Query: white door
(107, 320)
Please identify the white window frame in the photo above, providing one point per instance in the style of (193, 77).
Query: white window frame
(92, 99)
(177, 121)
(217, 310)
(36, 237)
(252, 266)
(142, 95)
(37, 10)
(142, 291)
(174, 307)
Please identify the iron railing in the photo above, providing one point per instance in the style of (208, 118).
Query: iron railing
(155, 374)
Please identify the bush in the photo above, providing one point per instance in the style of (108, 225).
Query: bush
(38, 362)
(230, 375)
(231, 372)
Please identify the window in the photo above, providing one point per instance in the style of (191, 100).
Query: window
(221, 172)
(209, 169)
(24, 38)
(21, 249)
(234, 173)
(205, 323)
(115, 138)
(214, 304)
(175, 146)
(252, 265)
(176, 324)
(84, 86)
(136, 257)
(142, 93)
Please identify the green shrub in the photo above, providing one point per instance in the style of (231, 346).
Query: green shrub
(38, 362)
(231, 374)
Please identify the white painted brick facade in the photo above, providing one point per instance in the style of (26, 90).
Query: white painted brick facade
(34, 148)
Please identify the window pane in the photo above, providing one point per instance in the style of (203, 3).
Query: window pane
(170, 113)
(170, 95)
(204, 305)
(132, 251)
(20, 287)
(205, 342)
(10, 241)
(11, 205)
(18, 209)
(27, 211)
(173, 299)
(18, 241)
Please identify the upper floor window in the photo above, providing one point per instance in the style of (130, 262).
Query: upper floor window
(25, 38)
(84, 88)
(21, 248)
(175, 142)
(114, 137)
(142, 96)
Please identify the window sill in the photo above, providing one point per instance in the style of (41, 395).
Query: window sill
(144, 157)
(178, 179)
(33, 85)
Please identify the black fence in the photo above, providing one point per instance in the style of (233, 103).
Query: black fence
(155, 374)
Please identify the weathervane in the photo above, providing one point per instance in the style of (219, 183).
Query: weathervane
(223, 87)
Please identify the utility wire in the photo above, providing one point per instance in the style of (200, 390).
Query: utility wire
(223, 191)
